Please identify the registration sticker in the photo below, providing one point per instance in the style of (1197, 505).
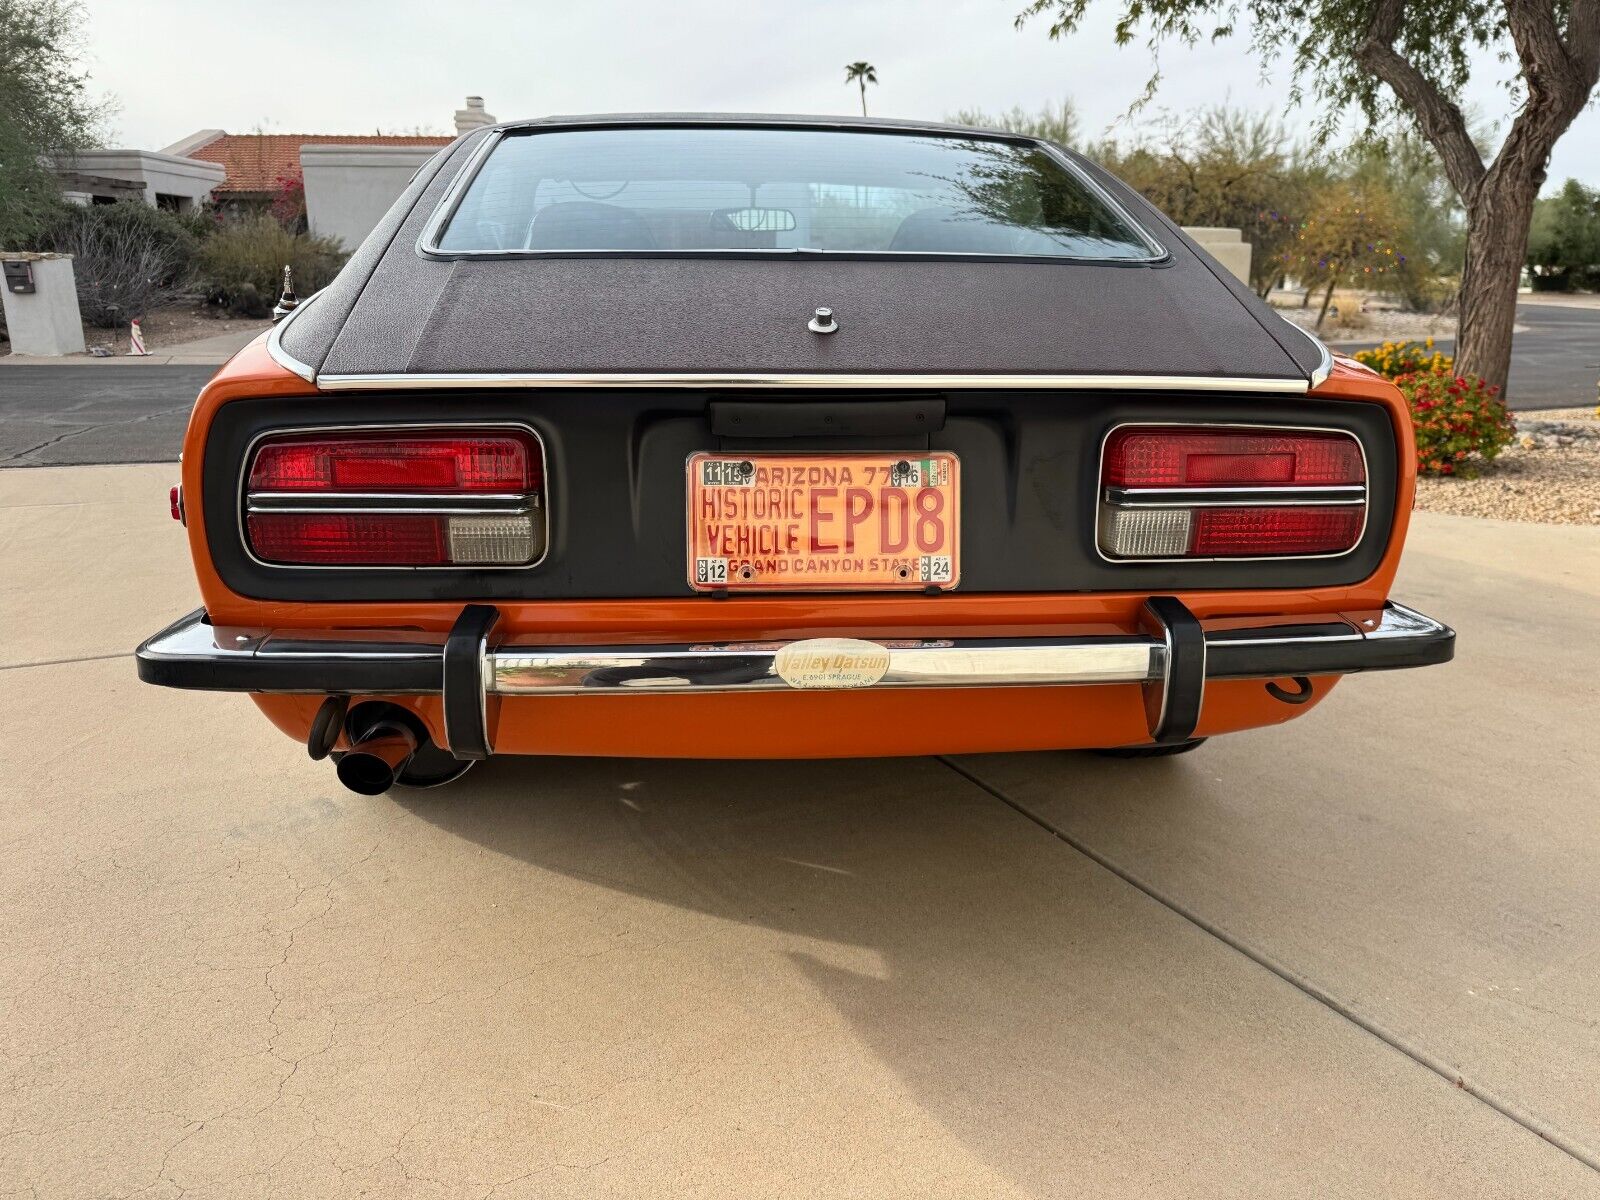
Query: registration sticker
(812, 522)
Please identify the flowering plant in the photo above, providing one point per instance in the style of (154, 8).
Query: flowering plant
(1393, 359)
(288, 203)
(1456, 417)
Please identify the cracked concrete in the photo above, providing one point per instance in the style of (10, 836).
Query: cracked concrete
(222, 976)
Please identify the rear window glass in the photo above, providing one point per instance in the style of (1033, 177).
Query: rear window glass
(710, 189)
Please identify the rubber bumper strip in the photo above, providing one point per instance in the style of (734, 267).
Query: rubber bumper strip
(1172, 703)
(466, 712)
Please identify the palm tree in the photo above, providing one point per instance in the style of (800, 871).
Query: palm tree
(861, 73)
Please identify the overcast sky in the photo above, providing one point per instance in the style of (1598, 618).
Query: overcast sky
(357, 66)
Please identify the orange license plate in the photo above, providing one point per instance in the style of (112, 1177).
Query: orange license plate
(824, 522)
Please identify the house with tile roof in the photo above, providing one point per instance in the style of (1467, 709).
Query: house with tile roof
(257, 164)
(350, 179)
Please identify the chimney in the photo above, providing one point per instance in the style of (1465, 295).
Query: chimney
(472, 116)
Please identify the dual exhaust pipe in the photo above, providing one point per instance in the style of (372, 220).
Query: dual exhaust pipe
(389, 745)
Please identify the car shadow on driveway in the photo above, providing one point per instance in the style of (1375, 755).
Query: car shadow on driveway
(1026, 1001)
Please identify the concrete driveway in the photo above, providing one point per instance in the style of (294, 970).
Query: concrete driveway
(1358, 955)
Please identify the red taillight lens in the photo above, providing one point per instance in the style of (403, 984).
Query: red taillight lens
(1175, 492)
(349, 538)
(430, 498)
(1157, 457)
(1230, 532)
(404, 464)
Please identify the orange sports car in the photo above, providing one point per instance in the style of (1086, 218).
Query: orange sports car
(775, 437)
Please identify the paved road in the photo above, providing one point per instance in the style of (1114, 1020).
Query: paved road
(1555, 358)
(1353, 956)
(95, 413)
(1555, 361)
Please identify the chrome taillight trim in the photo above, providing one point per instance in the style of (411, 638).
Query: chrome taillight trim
(1365, 499)
(346, 502)
(1256, 497)
(488, 504)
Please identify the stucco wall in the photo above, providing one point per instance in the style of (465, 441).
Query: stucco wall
(164, 174)
(349, 188)
(1227, 246)
(45, 321)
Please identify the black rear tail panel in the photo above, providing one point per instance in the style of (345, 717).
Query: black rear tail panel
(616, 480)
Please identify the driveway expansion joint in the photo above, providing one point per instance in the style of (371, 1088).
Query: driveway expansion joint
(1507, 1108)
(63, 662)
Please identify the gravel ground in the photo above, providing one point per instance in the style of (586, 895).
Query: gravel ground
(168, 326)
(1547, 484)
(1353, 325)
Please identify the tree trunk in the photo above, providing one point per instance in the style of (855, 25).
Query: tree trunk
(1497, 244)
(1559, 69)
(1327, 299)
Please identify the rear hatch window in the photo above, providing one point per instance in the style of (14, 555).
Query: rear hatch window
(755, 189)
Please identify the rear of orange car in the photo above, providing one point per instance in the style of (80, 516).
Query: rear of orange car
(619, 484)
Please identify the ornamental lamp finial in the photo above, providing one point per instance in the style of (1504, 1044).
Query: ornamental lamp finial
(287, 300)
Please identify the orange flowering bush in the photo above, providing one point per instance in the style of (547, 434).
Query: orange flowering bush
(1457, 418)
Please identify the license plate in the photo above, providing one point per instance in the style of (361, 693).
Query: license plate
(824, 522)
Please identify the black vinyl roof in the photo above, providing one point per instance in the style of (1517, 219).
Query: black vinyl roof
(397, 310)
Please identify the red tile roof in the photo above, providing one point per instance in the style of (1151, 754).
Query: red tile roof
(256, 161)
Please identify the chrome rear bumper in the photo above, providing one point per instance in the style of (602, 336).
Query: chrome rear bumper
(1172, 657)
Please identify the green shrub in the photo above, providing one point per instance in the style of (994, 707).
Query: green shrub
(1564, 239)
(241, 265)
(127, 256)
(1457, 418)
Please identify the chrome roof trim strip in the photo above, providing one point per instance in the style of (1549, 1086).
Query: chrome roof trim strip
(275, 343)
(622, 379)
(1324, 367)
(428, 240)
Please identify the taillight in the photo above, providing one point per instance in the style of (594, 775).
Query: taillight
(428, 464)
(1179, 492)
(430, 498)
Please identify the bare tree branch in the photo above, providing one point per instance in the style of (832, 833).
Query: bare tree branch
(1544, 60)
(1440, 120)
(1559, 79)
